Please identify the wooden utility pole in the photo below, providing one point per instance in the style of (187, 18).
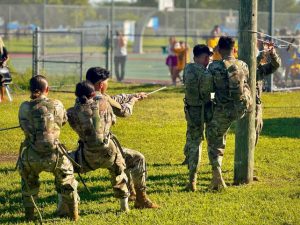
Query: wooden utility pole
(245, 130)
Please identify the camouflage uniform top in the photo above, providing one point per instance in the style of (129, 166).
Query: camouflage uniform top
(122, 104)
(41, 120)
(265, 70)
(103, 118)
(198, 84)
(92, 121)
(220, 78)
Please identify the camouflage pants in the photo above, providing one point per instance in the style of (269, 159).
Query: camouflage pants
(108, 157)
(258, 121)
(135, 169)
(194, 137)
(216, 131)
(31, 164)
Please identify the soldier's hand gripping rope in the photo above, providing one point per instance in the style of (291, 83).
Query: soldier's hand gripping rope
(289, 44)
(142, 95)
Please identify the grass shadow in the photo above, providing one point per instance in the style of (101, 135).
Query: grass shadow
(282, 127)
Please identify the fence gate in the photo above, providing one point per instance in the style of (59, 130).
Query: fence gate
(59, 56)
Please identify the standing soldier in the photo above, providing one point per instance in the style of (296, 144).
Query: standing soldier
(197, 105)
(122, 105)
(233, 100)
(41, 120)
(263, 70)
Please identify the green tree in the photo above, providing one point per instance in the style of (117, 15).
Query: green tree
(149, 3)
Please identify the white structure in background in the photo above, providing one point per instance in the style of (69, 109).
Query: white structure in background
(129, 29)
(166, 5)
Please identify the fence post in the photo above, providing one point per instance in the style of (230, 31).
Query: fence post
(112, 19)
(35, 52)
(107, 47)
(271, 32)
(81, 54)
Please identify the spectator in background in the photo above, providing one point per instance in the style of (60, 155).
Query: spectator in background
(212, 42)
(284, 54)
(3, 63)
(181, 50)
(172, 60)
(120, 53)
(295, 67)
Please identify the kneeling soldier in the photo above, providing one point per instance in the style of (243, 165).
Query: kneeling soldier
(122, 106)
(41, 120)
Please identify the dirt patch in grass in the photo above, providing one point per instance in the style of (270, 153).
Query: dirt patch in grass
(8, 157)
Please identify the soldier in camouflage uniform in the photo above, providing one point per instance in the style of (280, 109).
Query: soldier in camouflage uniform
(233, 100)
(91, 118)
(197, 105)
(41, 120)
(263, 70)
(122, 105)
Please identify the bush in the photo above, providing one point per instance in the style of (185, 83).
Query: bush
(21, 80)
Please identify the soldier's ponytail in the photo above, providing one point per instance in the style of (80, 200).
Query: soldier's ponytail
(84, 91)
(37, 85)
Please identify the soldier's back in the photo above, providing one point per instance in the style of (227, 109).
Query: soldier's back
(198, 84)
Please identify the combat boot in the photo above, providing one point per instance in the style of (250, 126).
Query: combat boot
(131, 189)
(191, 186)
(29, 213)
(124, 207)
(217, 182)
(62, 208)
(132, 196)
(143, 202)
(73, 211)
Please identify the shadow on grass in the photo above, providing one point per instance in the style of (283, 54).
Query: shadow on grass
(277, 127)
(7, 170)
(165, 165)
(282, 127)
(158, 183)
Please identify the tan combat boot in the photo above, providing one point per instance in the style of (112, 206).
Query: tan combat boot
(73, 211)
(132, 196)
(29, 213)
(191, 186)
(143, 202)
(217, 182)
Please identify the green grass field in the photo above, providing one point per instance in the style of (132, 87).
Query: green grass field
(157, 129)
